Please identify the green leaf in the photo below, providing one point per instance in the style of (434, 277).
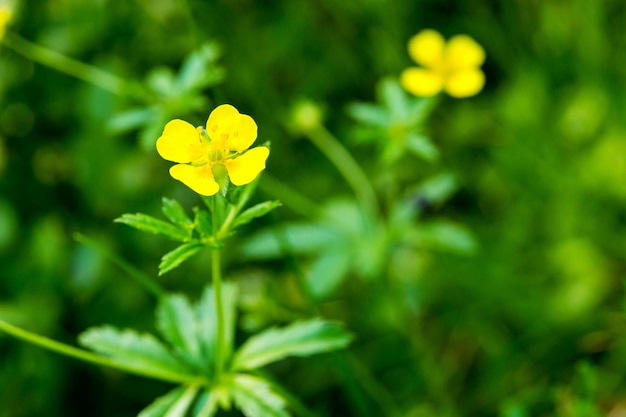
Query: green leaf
(327, 272)
(152, 225)
(234, 194)
(369, 114)
(422, 147)
(175, 213)
(206, 320)
(180, 407)
(297, 238)
(174, 258)
(253, 212)
(175, 320)
(303, 338)
(442, 235)
(394, 98)
(159, 407)
(206, 405)
(419, 109)
(346, 216)
(173, 404)
(153, 129)
(199, 70)
(203, 221)
(140, 351)
(438, 189)
(161, 80)
(131, 119)
(255, 398)
(239, 196)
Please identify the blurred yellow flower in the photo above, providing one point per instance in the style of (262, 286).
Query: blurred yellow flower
(202, 153)
(453, 66)
(5, 16)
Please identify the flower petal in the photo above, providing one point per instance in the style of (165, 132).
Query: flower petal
(230, 130)
(224, 115)
(243, 134)
(180, 142)
(200, 178)
(421, 82)
(465, 83)
(463, 52)
(5, 16)
(427, 48)
(245, 168)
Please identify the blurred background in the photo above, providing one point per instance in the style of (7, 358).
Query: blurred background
(528, 323)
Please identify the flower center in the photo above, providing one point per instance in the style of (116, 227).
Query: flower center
(216, 156)
(216, 151)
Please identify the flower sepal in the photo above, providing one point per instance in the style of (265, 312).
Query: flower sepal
(221, 178)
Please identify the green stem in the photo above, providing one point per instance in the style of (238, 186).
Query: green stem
(193, 28)
(230, 217)
(290, 197)
(133, 272)
(217, 289)
(86, 356)
(346, 165)
(234, 210)
(64, 64)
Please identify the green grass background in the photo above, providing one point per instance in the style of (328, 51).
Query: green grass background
(532, 324)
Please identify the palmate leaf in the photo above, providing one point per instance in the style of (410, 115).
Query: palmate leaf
(298, 339)
(173, 404)
(140, 351)
(153, 225)
(255, 397)
(176, 257)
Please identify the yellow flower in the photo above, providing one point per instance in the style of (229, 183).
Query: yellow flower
(453, 66)
(203, 153)
(5, 16)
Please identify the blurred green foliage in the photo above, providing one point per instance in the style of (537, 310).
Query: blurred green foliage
(527, 319)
